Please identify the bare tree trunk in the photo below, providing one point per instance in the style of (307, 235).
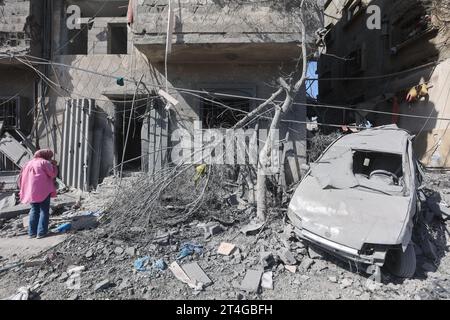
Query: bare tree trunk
(265, 156)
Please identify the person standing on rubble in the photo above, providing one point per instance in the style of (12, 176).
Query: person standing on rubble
(37, 186)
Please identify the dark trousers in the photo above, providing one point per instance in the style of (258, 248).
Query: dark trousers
(39, 218)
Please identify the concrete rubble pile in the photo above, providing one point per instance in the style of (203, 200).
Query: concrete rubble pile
(204, 258)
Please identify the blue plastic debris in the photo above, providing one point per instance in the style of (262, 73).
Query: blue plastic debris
(160, 265)
(63, 228)
(189, 248)
(141, 264)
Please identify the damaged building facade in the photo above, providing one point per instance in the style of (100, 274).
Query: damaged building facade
(21, 26)
(390, 57)
(102, 107)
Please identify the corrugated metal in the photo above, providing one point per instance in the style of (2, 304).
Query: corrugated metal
(155, 140)
(77, 143)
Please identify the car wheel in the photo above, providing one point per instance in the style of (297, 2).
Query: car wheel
(402, 264)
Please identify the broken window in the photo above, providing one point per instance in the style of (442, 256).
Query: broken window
(223, 112)
(379, 171)
(408, 29)
(365, 163)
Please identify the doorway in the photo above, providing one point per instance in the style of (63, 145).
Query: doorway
(127, 134)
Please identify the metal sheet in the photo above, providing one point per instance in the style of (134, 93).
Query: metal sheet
(14, 151)
(155, 141)
(77, 143)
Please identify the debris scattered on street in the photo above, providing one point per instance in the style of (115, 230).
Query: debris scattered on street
(252, 280)
(226, 248)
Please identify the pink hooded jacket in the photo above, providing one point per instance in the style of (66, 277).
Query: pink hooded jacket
(37, 179)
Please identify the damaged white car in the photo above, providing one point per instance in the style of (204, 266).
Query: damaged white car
(359, 201)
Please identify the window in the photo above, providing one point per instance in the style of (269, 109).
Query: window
(407, 30)
(365, 163)
(117, 38)
(379, 171)
(9, 112)
(356, 62)
(77, 41)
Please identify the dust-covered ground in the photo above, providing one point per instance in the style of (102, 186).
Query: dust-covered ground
(109, 272)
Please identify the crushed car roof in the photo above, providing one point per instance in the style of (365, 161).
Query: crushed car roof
(389, 139)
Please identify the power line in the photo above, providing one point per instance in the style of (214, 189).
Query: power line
(348, 108)
(388, 75)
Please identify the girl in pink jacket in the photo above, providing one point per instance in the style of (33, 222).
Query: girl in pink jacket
(37, 186)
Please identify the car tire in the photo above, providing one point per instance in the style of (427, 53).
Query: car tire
(402, 264)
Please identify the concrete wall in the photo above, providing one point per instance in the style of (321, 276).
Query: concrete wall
(208, 21)
(75, 83)
(20, 27)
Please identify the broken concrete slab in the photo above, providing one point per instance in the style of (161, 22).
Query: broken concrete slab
(195, 272)
(226, 248)
(252, 281)
(287, 257)
(24, 248)
(306, 263)
(7, 200)
(179, 273)
(14, 212)
(131, 251)
(267, 280)
(292, 269)
(21, 209)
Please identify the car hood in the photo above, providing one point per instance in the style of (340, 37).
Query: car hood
(351, 217)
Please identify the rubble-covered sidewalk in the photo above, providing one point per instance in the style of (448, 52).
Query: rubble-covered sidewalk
(207, 259)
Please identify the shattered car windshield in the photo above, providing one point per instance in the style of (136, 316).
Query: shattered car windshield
(345, 168)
